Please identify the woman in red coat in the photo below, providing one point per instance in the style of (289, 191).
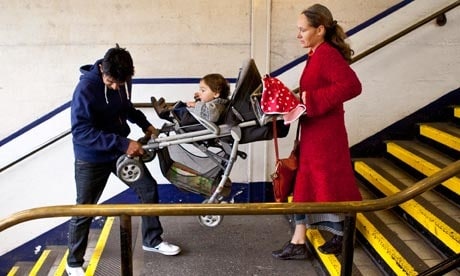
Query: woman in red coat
(325, 172)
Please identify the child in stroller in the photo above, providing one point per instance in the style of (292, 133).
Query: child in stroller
(209, 102)
(200, 160)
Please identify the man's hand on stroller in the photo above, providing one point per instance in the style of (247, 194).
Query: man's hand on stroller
(134, 149)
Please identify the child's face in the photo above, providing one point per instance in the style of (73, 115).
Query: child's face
(205, 94)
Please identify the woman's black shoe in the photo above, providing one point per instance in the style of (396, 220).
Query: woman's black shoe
(333, 246)
(291, 252)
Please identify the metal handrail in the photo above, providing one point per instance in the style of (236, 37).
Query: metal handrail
(125, 211)
(235, 208)
(389, 40)
(39, 148)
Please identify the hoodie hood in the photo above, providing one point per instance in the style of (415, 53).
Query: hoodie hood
(92, 74)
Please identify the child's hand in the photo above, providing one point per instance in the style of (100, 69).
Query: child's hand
(191, 104)
(196, 96)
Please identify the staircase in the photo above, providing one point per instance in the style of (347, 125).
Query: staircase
(421, 233)
(405, 240)
(52, 259)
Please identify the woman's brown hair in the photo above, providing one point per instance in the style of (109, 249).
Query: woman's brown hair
(318, 15)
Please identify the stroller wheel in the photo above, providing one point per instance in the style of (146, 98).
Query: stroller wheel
(210, 220)
(129, 169)
(148, 156)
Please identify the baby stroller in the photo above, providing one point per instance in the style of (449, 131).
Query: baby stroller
(198, 158)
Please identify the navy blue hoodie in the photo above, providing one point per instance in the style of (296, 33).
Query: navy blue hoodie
(98, 117)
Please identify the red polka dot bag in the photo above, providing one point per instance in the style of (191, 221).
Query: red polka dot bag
(278, 99)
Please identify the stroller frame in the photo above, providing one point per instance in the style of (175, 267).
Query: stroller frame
(242, 122)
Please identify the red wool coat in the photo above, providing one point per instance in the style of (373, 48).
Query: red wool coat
(325, 171)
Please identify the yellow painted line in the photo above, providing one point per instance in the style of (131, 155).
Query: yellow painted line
(61, 267)
(100, 245)
(398, 264)
(450, 237)
(422, 165)
(457, 111)
(330, 261)
(440, 136)
(13, 271)
(39, 263)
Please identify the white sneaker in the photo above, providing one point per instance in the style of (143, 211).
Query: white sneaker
(74, 271)
(164, 248)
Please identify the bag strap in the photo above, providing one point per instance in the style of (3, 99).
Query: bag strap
(275, 137)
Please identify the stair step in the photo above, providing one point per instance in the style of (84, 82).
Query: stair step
(58, 255)
(109, 246)
(425, 160)
(444, 133)
(53, 259)
(332, 263)
(46, 261)
(435, 222)
(392, 242)
(21, 268)
(43, 265)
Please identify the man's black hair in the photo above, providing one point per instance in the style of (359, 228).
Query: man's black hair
(118, 64)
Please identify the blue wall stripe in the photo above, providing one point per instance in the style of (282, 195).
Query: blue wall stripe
(350, 32)
(196, 80)
(172, 80)
(35, 123)
(378, 17)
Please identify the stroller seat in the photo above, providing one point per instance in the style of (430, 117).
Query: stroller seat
(198, 158)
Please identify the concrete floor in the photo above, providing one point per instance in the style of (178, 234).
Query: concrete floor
(240, 245)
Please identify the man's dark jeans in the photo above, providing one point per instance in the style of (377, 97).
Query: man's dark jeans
(90, 179)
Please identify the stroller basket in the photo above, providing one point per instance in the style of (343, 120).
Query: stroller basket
(201, 175)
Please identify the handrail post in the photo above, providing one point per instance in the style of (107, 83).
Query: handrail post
(126, 245)
(348, 244)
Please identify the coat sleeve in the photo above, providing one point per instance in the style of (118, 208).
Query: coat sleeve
(338, 83)
(137, 117)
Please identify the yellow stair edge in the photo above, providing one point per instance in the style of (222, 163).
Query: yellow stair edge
(13, 271)
(442, 137)
(398, 264)
(330, 261)
(423, 166)
(450, 237)
(39, 263)
(95, 257)
(100, 245)
(36, 267)
(457, 111)
(61, 267)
